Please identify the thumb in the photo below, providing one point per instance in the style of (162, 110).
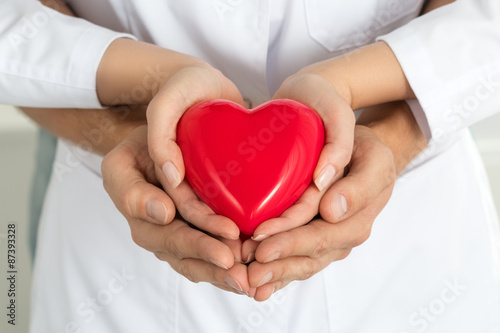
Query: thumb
(187, 87)
(338, 120)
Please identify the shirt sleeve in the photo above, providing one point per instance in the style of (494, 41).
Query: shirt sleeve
(48, 59)
(450, 57)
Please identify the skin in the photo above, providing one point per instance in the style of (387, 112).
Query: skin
(132, 176)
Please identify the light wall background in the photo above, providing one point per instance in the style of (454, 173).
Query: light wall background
(17, 151)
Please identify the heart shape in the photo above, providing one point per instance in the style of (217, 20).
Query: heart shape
(250, 165)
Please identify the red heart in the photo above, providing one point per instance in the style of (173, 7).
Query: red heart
(250, 165)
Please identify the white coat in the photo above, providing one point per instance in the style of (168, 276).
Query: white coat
(431, 263)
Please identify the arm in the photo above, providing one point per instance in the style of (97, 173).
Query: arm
(450, 58)
(103, 129)
(34, 73)
(446, 58)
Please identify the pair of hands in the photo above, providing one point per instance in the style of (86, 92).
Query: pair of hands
(283, 249)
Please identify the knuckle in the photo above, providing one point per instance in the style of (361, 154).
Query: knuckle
(308, 271)
(126, 201)
(390, 168)
(159, 256)
(390, 176)
(320, 248)
(137, 239)
(155, 151)
(343, 254)
(184, 269)
(169, 246)
(107, 166)
(363, 236)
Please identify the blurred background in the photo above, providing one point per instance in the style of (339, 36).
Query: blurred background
(17, 151)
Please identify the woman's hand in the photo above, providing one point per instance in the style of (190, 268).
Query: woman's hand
(187, 87)
(338, 119)
(169, 82)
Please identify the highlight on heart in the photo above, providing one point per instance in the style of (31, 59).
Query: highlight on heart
(250, 165)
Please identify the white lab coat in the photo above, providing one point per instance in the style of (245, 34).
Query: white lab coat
(432, 261)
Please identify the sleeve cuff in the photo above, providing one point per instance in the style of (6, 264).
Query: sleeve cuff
(420, 117)
(424, 82)
(84, 64)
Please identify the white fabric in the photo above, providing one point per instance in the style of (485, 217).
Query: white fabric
(48, 59)
(432, 261)
(451, 59)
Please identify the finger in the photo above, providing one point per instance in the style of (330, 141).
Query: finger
(265, 292)
(248, 249)
(237, 279)
(195, 270)
(338, 119)
(300, 213)
(180, 241)
(289, 269)
(319, 237)
(131, 193)
(198, 213)
(234, 279)
(236, 248)
(371, 172)
(167, 107)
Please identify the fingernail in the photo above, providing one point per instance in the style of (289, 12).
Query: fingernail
(228, 236)
(233, 283)
(173, 176)
(259, 238)
(215, 262)
(339, 206)
(251, 257)
(325, 177)
(265, 279)
(157, 210)
(272, 257)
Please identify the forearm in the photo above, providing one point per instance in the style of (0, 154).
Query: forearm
(101, 130)
(370, 75)
(132, 72)
(396, 127)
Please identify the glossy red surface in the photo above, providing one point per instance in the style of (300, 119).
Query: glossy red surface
(250, 165)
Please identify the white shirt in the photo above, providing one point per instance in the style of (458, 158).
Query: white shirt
(432, 261)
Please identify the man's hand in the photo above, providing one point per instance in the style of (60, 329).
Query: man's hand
(379, 154)
(130, 180)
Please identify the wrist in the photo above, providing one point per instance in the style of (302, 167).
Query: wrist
(132, 72)
(394, 125)
(370, 75)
